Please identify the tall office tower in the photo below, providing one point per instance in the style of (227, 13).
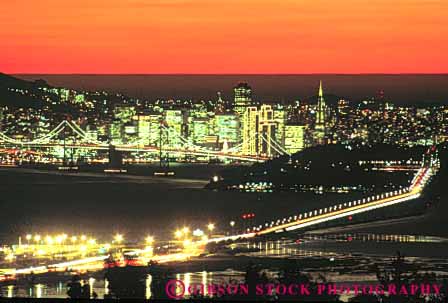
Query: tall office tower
(116, 130)
(130, 133)
(228, 128)
(154, 126)
(175, 123)
(148, 128)
(199, 129)
(242, 97)
(250, 131)
(294, 138)
(266, 131)
(280, 118)
(321, 108)
(143, 129)
(319, 128)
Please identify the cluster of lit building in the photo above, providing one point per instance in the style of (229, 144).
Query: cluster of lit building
(243, 124)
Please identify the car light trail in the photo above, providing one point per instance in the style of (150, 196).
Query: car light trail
(413, 192)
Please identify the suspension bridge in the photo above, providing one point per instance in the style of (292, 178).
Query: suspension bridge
(184, 146)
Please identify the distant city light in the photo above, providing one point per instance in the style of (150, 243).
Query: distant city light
(178, 234)
(118, 238)
(211, 226)
(149, 239)
(198, 232)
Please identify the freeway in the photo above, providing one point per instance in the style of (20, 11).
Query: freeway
(339, 211)
(152, 149)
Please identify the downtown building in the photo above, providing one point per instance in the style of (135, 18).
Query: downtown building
(259, 131)
(320, 135)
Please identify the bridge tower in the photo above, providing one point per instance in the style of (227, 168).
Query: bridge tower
(64, 135)
(163, 140)
(65, 161)
(115, 158)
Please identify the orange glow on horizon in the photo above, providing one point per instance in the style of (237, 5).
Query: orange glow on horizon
(232, 36)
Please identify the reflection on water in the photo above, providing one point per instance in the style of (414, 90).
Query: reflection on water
(101, 287)
(367, 237)
(10, 291)
(205, 278)
(333, 247)
(106, 287)
(286, 248)
(39, 288)
(56, 289)
(148, 287)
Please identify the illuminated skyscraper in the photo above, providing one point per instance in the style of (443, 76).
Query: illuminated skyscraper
(148, 127)
(250, 131)
(321, 108)
(175, 123)
(154, 128)
(228, 128)
(242, 97)
(259, 131)
(280, 117)
(116, 132)
(143, 128)
(199, 129)
(319, 128)
(294, 138)
(266, 131)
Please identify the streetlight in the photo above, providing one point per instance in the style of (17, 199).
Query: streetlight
(198, 232)
(178, 234)
(186, 230)
(211, 226)
(59, 239)
(149, 240)
(232, 224)
(187, 242)
(49, 240)
(118, 238)
(36, 238)
(28, 238)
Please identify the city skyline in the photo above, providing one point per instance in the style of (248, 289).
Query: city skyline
(400, 89)
(240, 128)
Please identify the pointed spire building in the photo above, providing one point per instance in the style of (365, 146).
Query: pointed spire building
(319, 128)
(321, 108)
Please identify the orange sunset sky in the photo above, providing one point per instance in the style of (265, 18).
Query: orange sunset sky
(232, 36)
